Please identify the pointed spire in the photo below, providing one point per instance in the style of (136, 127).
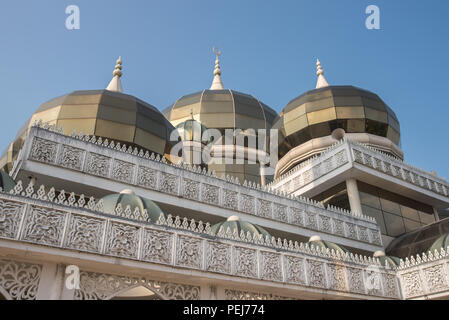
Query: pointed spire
(321, 82)
(216, 83)
(116, 84)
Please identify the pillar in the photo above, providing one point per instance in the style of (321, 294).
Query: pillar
(354, 196)
(435, 213)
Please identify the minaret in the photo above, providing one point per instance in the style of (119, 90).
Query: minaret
(116, 84)
(216, 83)
(321, 82)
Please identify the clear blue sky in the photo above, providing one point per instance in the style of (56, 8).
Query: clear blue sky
(269, 50)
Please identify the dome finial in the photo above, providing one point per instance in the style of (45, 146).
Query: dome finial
(116, 84)
(321, 82)
(217, 84)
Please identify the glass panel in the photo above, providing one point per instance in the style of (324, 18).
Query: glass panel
(426, 218)
(319, 105)
(321, 116)
(296, 125)
(395, 224)
(355, 126)
(376, 115)
(410, 213)
(350, 112)
(376, 214)
(370, 200)
(390, 206)
(344, 101)
(377, 128)
(411, 225)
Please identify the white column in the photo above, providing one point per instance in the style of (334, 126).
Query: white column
(51, 282)
(435, 212)
(354, 196)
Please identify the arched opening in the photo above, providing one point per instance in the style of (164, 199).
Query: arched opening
(137, 293)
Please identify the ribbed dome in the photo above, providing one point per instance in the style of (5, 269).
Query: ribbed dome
(129, 198)
(103, 113)
(322, 244)
(222, 109)
(226, 109)
(383, 259)
(234, 223)
(6, 182)
(318, 112)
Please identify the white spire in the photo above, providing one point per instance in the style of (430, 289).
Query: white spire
(321, 82)
(216, 83)
(116, 84)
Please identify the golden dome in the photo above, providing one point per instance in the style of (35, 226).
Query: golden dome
(317, 113)
(225, 109)
(103, 113)
(222, 109)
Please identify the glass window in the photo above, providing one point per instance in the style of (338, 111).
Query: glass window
(410, 213)
(390, 206)
(370, 200)
(411, 225)
(376, 214)
(426, 218)
(395, 224)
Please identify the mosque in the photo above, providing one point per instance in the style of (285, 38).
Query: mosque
(103, 196)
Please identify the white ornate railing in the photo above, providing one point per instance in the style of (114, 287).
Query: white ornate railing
(426, 276)
(190, 245)
(347, 151)
(111, 161)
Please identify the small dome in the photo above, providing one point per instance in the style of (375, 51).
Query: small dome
(441, 243)
(322, 244)
(128, 198)
(6, 182)
(392, 261)
(234, 223)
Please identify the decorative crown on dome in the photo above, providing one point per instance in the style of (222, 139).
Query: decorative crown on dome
(116, 84)
(217, 84)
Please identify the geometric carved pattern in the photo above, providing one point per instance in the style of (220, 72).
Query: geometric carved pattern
(294, 270)
(245, 262)
(44, 226)
(218, 257)
(122, 240)
(337, 277)
(435, 278)
(316, 274)
(412, 284)
(84, 233)
(97, 165)
(99, 286)
(19, 280)
(245, 295)
(123, 171)
(10, 215)
(189, 252)
(271, 268)
(71, 158)
(43, 150)
(147, 177)
(157, 246)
